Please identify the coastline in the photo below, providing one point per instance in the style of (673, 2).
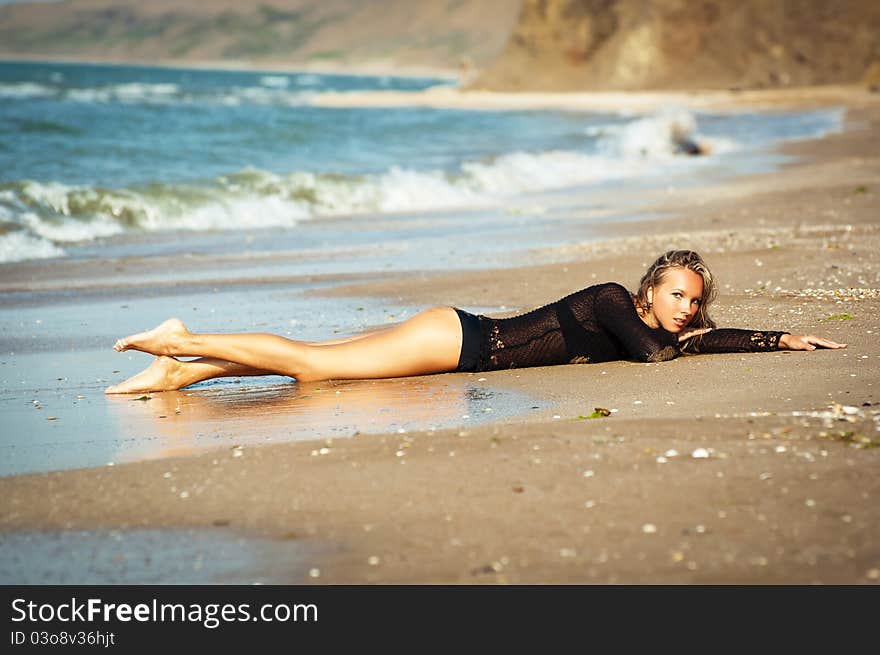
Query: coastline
(370, 68)
(781, 495)
(852, 96)
(455, 97)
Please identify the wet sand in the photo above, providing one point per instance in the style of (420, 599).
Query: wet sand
(752, 468)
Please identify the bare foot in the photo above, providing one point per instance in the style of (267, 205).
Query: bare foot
(158, 341)
(161, 375)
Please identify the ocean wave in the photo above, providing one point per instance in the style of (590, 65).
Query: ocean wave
(58, 216)
(307, 79)
(130, 93)
(20, 246)
(275, 81)
(252, 95)
(56, 213)
(23, 90)
(666, 134)
(272, 90)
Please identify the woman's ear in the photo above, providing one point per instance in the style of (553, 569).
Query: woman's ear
(649, 294)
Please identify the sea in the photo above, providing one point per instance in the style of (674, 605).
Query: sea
(104, 161)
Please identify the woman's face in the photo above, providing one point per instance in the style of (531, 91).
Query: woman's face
(675, 301)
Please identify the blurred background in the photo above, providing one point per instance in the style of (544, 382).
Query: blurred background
(493, 44)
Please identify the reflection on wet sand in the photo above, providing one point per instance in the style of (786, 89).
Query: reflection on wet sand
(236, 412)
(168, 556)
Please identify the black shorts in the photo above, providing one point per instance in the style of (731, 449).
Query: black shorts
(470, 341)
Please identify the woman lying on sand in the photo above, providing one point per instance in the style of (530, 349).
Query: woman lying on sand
(668, 316)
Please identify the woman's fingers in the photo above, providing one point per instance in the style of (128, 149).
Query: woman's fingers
(811, 342)
(824, 343)
(692, 333)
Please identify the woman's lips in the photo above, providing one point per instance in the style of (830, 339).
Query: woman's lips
(680, 322)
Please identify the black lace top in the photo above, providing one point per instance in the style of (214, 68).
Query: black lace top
(598, 324)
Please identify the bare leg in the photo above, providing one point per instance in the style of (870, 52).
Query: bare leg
(336, 342)
(429, 342)
(174, 325)
(167, 374)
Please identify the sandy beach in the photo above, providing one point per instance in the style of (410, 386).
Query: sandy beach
(713, 469)
(451, 97)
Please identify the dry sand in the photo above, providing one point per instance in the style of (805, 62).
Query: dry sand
(448, 97)
(754, 468)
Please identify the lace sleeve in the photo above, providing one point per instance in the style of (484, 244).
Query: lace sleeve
(617, 315)
(729, 340)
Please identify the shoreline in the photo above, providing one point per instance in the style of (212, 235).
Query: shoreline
(767, 484)
(376, 69)
(611, 101)
(446, 97)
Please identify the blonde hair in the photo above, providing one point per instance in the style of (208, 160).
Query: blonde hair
(680, 259)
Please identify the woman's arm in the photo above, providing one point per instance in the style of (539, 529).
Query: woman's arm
(729, 340)
(615, 312)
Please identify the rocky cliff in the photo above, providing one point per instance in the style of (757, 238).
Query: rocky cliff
(686, 44)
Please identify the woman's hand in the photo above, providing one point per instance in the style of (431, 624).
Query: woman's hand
(687, 334)
(808, 342)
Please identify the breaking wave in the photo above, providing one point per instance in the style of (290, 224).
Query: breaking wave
(40, 217)
(272, 90)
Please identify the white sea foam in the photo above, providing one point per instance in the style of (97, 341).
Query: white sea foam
(275, 81)
(231, 213)
(131, 93)
(474, 184)
(21, 90)
(79, 202)
(307, 79)
(274, 93)
(657, 136)
(50, 194)
(520, 172)
(71, 230)
(57, 213)
(660, 137)
(257, 96)
(401, 189)
(136, 91)
(272, 90)
(19, 246)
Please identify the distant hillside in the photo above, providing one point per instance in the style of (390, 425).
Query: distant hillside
(686, 44)
(543, 44)
(407, 33)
